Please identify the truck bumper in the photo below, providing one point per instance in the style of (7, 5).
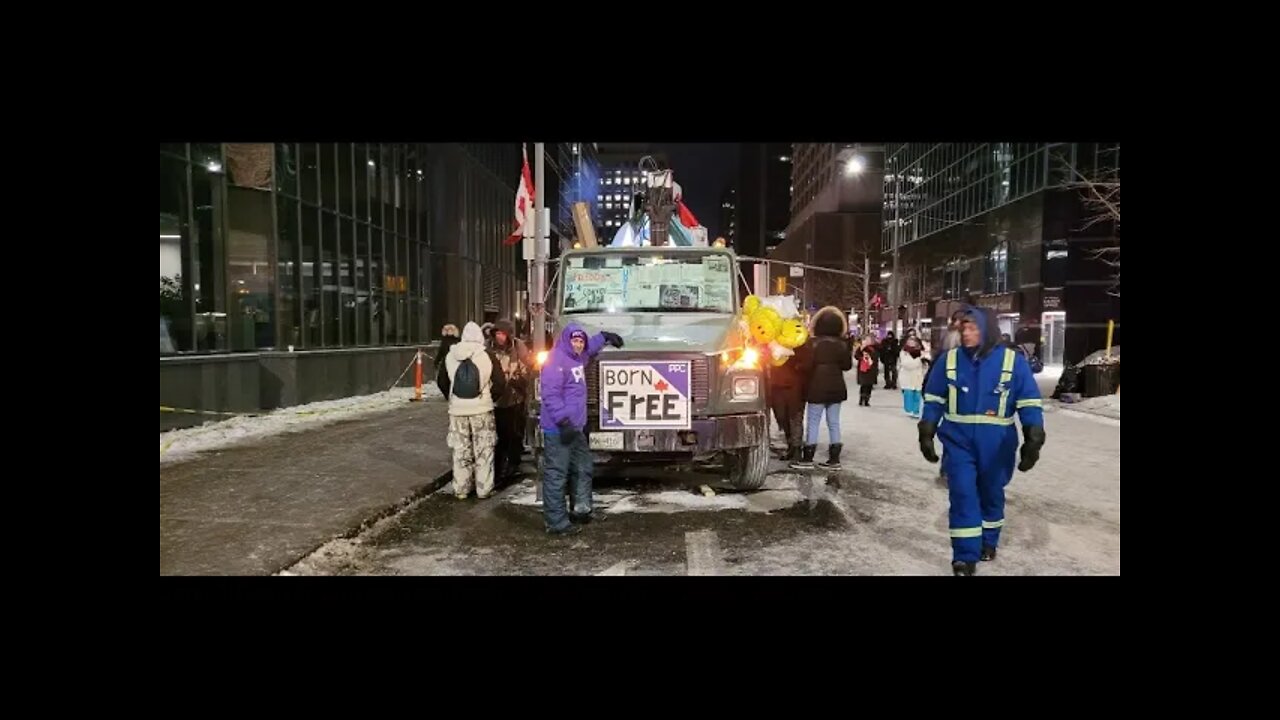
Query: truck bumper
(709, 434)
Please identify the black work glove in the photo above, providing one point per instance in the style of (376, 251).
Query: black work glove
(613, 339)
(927, 430)
(568, 433)
(1032, 441)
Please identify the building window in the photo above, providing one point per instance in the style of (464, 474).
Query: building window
(998, 268)
(1054, 273)
(955, 279)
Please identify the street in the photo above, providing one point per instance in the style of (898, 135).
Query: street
(884, 513)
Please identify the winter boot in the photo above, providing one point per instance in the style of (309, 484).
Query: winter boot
(806, 458)
(833, 457)
(988, 553)
(963, 568)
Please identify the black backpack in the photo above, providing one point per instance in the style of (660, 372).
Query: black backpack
(466, 380)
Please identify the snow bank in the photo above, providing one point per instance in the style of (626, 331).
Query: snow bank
(183, 444)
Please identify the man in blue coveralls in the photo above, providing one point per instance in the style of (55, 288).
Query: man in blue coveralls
(977, 389)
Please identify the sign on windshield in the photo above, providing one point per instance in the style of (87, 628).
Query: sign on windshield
(621, 283)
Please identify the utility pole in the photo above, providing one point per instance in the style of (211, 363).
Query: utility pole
(866, 290)
(538, 286)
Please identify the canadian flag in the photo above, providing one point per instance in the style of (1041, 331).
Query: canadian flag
(686, 216)
(524, 201)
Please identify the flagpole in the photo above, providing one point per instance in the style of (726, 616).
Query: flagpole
(539, 251)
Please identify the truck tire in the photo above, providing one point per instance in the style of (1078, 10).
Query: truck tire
(749, 466)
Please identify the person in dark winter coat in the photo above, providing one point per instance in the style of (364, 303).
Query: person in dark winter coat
(786, 399)
(827, 358)
(449, 337)
(889, 350)
(515, 362)
(868, 373)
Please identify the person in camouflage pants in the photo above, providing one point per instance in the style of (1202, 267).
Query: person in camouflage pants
(472, 432)
(472, 439)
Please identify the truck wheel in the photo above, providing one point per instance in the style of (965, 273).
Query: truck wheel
(750, 466)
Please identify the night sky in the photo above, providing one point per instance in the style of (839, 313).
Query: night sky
(704, 171)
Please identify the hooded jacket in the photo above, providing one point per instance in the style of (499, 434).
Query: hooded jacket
(911, 368)
(563, 381)
(472, 346)
(978, 390)
(828, 358)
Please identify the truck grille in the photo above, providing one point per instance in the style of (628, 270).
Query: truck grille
(701, 380)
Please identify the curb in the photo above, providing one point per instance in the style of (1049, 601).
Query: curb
(368, 522)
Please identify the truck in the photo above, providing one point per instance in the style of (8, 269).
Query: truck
(687, 388)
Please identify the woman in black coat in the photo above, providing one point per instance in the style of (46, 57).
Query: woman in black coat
(868, 373)
(826, 360)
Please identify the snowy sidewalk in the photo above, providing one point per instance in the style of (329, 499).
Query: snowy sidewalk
(253, 494)
(1063, 515)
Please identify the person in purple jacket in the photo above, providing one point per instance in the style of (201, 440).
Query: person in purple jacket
(563, 381)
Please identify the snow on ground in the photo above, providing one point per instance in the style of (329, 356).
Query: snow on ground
(1105, 408)
(183, 444)
(1103, 404)
(780, 491)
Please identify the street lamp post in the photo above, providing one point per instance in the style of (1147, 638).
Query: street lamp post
(897, 226)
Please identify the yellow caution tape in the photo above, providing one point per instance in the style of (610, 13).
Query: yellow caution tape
(165, 408)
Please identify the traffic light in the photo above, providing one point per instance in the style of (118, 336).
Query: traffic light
(780, 285)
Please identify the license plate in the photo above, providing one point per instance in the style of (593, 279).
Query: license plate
(650, 395)
(606, 440)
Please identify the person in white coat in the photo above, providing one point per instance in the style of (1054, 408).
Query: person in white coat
(472, 432)
(911, 376)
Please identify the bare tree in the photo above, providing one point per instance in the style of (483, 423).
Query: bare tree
(842, 291)
(1100, 193)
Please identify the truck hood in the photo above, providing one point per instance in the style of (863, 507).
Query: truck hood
(671, 332)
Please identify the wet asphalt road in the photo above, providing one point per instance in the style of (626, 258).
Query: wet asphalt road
(884, 513)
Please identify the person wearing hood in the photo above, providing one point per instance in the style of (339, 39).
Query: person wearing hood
(509, 408)
(911, 375)
(889, 351)
(471, 384)
(563, 382)
(826, 359)
(980, 387)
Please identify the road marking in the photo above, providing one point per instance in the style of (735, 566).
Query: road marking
(702, 553)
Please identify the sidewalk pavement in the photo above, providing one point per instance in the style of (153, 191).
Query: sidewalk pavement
(258, 508)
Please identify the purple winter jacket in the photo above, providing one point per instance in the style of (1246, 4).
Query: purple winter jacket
(563, 381)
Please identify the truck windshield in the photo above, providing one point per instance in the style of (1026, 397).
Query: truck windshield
(618, 282)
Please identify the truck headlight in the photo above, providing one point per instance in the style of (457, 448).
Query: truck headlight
(746, 387)
(749, 360)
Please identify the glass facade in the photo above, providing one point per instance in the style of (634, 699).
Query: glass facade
(580, 182)
(330, 245)
(930, 187)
